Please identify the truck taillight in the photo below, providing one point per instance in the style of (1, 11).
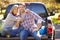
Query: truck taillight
(49, 30)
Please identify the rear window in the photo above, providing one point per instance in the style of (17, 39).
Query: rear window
(38, 8)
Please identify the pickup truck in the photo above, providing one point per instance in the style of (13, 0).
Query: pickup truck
(41, 10)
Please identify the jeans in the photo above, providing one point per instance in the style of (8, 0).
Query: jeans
(25, 33)
(12, 32)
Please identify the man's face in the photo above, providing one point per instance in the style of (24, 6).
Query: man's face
(21, 8)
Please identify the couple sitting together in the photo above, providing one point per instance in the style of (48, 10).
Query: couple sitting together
(21, 20)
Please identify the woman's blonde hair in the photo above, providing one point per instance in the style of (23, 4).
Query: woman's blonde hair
(13, 8)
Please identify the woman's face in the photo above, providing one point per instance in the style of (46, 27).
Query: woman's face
(15, 10)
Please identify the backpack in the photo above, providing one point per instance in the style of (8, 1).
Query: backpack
(42, 30)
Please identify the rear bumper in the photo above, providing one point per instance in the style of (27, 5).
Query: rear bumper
(44, 37)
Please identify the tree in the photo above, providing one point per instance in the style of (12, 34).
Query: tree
(58, 1)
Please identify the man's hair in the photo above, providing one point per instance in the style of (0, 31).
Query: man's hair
(22, 4)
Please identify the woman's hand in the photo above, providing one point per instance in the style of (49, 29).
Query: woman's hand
(14, 27)
(18, 21)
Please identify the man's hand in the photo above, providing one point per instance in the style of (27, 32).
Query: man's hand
(37, 28)
(34, 30)
(27, 11)
(39, 25)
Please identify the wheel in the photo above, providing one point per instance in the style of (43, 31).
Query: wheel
(0, 34)
(54, 36)
(49, 37)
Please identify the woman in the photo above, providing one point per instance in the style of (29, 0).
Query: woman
(10, 26)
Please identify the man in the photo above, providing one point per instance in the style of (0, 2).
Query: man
(30, 28)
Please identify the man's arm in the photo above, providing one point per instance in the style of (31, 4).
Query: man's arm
(39, 24)
(38, 18)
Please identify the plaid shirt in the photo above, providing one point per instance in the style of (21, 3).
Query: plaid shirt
(29, 20)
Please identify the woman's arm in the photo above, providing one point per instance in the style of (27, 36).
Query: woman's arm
(18, 22)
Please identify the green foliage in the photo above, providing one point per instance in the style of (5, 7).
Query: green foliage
(55, 21)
